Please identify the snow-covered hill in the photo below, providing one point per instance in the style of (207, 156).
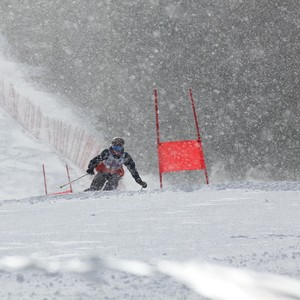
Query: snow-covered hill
(22, 155)
(221, 242)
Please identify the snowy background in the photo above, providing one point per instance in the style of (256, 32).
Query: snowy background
(241, 58)
(234, 239)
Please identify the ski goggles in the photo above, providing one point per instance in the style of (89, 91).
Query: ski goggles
(117, 148)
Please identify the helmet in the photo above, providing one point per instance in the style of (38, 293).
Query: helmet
(117, 141)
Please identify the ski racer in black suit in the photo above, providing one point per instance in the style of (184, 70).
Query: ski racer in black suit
(109, 165)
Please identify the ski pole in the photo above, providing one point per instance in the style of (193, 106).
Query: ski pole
(73, 180)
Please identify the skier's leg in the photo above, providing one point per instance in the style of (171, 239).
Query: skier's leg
(98, 182)
(112, 182)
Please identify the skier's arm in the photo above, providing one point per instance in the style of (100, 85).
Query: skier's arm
(130, 164)
(96, 160)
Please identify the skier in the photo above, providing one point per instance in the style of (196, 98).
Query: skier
(109, 165)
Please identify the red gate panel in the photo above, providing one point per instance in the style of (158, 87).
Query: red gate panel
(181, 156)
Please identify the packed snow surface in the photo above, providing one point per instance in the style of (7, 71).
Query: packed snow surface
(235, 241)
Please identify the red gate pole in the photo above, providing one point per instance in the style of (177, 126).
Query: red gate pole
(71, 190)
(157, 134)
(195, 115)
(197, 128)
(45, 181)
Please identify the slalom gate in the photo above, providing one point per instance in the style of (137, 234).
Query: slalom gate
(184, 155)
(69, 191)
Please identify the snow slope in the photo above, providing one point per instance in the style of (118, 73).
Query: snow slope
(21, 159)
(169, 244)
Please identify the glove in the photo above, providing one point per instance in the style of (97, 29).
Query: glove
(142, 183)
(90, 171)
